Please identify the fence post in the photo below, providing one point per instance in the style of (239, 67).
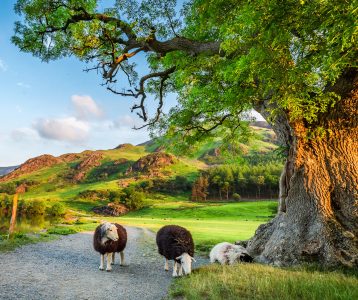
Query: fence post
(13, 214)
(19, 190)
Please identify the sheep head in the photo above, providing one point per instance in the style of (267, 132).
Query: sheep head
(186, 261)
(109, 232)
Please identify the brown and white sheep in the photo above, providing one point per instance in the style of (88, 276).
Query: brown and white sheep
(108, 239)
(228, 254)
(176, 243)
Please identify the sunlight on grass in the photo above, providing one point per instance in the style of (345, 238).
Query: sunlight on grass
(254, 281)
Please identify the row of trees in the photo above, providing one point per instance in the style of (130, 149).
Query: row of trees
(231, 181)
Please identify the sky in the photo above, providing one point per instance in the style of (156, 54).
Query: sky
(56, 108)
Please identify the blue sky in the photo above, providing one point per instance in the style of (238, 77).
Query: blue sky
(55, 107)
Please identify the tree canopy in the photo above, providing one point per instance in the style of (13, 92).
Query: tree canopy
(221, 57)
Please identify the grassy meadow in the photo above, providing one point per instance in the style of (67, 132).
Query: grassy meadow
(209, 223)
(261, 282)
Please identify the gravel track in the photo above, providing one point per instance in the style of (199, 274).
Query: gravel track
(67, 268)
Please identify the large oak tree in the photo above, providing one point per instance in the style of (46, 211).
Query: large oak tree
(293, 61)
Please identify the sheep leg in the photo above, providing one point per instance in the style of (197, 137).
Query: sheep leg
(109, 260)
(180, 270)
(113, 256)
(175, 274)
(166, 265)
(122, 258)
(102, 263)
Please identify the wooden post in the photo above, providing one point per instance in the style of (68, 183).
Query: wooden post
(13, 214)
(21, 189)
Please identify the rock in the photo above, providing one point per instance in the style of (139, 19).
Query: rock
(69, 157)
(92, 160)
(111, 209)
(152, 163)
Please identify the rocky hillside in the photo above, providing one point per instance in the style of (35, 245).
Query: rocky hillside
(32, 165)
(126, 164)
(152, 163)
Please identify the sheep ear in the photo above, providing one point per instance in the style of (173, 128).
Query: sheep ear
(103, 229)
(179, 257)
(193, 259)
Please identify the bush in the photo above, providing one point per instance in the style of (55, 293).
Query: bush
(34, 207)
(132, 199)
(114, 196)
(5, 203)
(236, 196)
(94, 195)
(57, 210)
(8, 188)
(135, 201)
(178, 184)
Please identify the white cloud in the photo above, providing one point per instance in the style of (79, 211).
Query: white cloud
(67, 129)
(86, 107)
(23, 85)
(125, 121)
(24, 134)
(3, 66)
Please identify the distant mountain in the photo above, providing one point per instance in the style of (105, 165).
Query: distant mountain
(128, 163)
(6, 170)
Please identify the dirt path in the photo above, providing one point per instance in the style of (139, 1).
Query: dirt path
(68, 269)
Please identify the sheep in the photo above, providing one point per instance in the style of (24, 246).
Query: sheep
(108, 239)
(176, 243)
(226, 253)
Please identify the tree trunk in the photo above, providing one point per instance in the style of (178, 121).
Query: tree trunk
(318, 212)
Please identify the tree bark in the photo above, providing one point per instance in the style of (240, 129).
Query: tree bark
(318, 219)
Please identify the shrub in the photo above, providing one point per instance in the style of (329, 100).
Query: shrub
(34, 207)
(236, 196)
(178, 184)
(57, 209)
(135, 200)
(5, 203)
(8, 188)
(132, 199)
(114, 196)
(146, 185)
(94, 195)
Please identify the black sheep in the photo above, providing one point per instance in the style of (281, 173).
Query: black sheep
(108, 239)
(176, 243)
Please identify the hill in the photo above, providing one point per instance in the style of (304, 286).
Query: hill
(67, 178)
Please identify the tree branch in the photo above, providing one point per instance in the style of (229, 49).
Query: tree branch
(140, 92)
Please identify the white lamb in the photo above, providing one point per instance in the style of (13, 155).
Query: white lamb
(228, 254)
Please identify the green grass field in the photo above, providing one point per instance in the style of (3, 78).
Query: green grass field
(209, 223)
(254, 281)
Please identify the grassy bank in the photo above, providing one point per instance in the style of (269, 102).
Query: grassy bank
(209, 223)
(253, 281)
(21, 239)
